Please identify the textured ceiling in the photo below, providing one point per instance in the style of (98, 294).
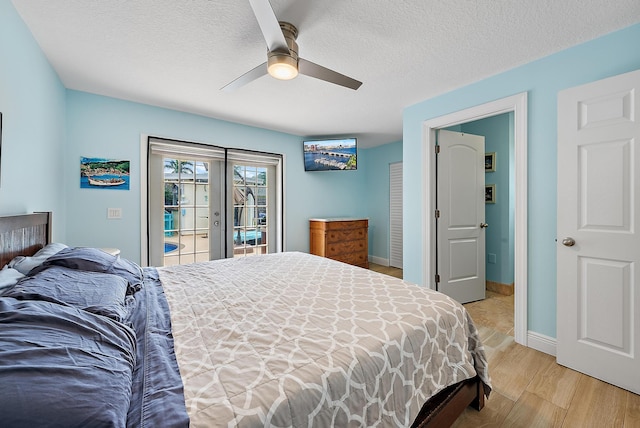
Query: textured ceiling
(179, 53)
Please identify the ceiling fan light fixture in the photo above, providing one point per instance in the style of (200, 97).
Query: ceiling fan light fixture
(282, 53)
(282, 66)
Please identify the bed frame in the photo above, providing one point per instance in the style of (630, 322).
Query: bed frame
(24, 235)
(443, 409)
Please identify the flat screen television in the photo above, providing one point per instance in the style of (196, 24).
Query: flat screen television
(333, 154)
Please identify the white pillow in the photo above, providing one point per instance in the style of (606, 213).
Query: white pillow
(8, 277)
(25, 264)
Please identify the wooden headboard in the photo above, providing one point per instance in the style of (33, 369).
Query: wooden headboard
(23, 235)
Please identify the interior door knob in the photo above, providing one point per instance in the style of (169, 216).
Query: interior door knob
(569, 242)
(483, 225)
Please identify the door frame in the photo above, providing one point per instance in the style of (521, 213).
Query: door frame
(144, 200)
(518, 105)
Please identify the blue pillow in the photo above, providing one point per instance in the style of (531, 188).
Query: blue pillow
(25, 264)
(98, 293)
(95, 260)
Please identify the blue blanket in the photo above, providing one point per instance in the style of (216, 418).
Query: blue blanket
(74, 362)
(158, 391)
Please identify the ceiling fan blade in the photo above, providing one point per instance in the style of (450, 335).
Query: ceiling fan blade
(311, 69)
(247, 77)
(269, 26)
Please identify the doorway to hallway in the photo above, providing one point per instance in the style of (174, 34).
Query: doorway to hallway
(518, 105)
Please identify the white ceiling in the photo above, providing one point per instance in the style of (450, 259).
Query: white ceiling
(179, 53)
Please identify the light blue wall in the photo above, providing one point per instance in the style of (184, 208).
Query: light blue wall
(375, 162)
(606, 56)
(498, 133)
(32, 102)
(99, 126)
(47, 129)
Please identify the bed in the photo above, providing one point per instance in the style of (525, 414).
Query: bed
(286, 339)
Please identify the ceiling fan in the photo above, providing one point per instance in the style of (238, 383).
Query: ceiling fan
(282, 57)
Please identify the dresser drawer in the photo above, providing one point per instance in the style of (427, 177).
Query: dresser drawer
(345, 235)
(337, 248)
(358, 259)
(341, 225)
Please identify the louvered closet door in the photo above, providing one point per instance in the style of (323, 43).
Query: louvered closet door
(395, 214)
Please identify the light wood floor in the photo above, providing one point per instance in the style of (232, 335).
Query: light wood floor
(529, 388)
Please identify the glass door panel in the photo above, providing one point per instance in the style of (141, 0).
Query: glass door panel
(186, 210)
(250, 207)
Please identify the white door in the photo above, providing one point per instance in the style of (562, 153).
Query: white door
(461, 227)
(598, 318)
(395, 214)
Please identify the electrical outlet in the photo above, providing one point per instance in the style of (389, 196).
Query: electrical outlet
(114, 212)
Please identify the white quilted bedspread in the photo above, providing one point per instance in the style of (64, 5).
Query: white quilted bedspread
(297, 340)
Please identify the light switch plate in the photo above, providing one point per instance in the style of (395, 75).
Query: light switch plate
(114, 212)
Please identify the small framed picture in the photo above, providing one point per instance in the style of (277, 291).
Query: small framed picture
(103, 173)
(490, 194)
(490, 162)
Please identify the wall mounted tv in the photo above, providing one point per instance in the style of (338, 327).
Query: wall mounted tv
(330, 154)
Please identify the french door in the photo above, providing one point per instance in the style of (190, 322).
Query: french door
(253, 193)
(207, 203)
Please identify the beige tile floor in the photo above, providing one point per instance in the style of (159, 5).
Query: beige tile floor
(495, 312)
(530, 389)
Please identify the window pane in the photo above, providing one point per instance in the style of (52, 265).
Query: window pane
(261, 177)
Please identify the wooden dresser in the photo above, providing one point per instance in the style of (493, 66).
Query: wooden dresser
(342, 239)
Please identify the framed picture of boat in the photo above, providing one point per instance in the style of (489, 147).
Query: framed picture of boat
(101, 173)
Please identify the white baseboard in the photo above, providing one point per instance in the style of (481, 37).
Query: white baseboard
(379, 260)
(541, 343)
